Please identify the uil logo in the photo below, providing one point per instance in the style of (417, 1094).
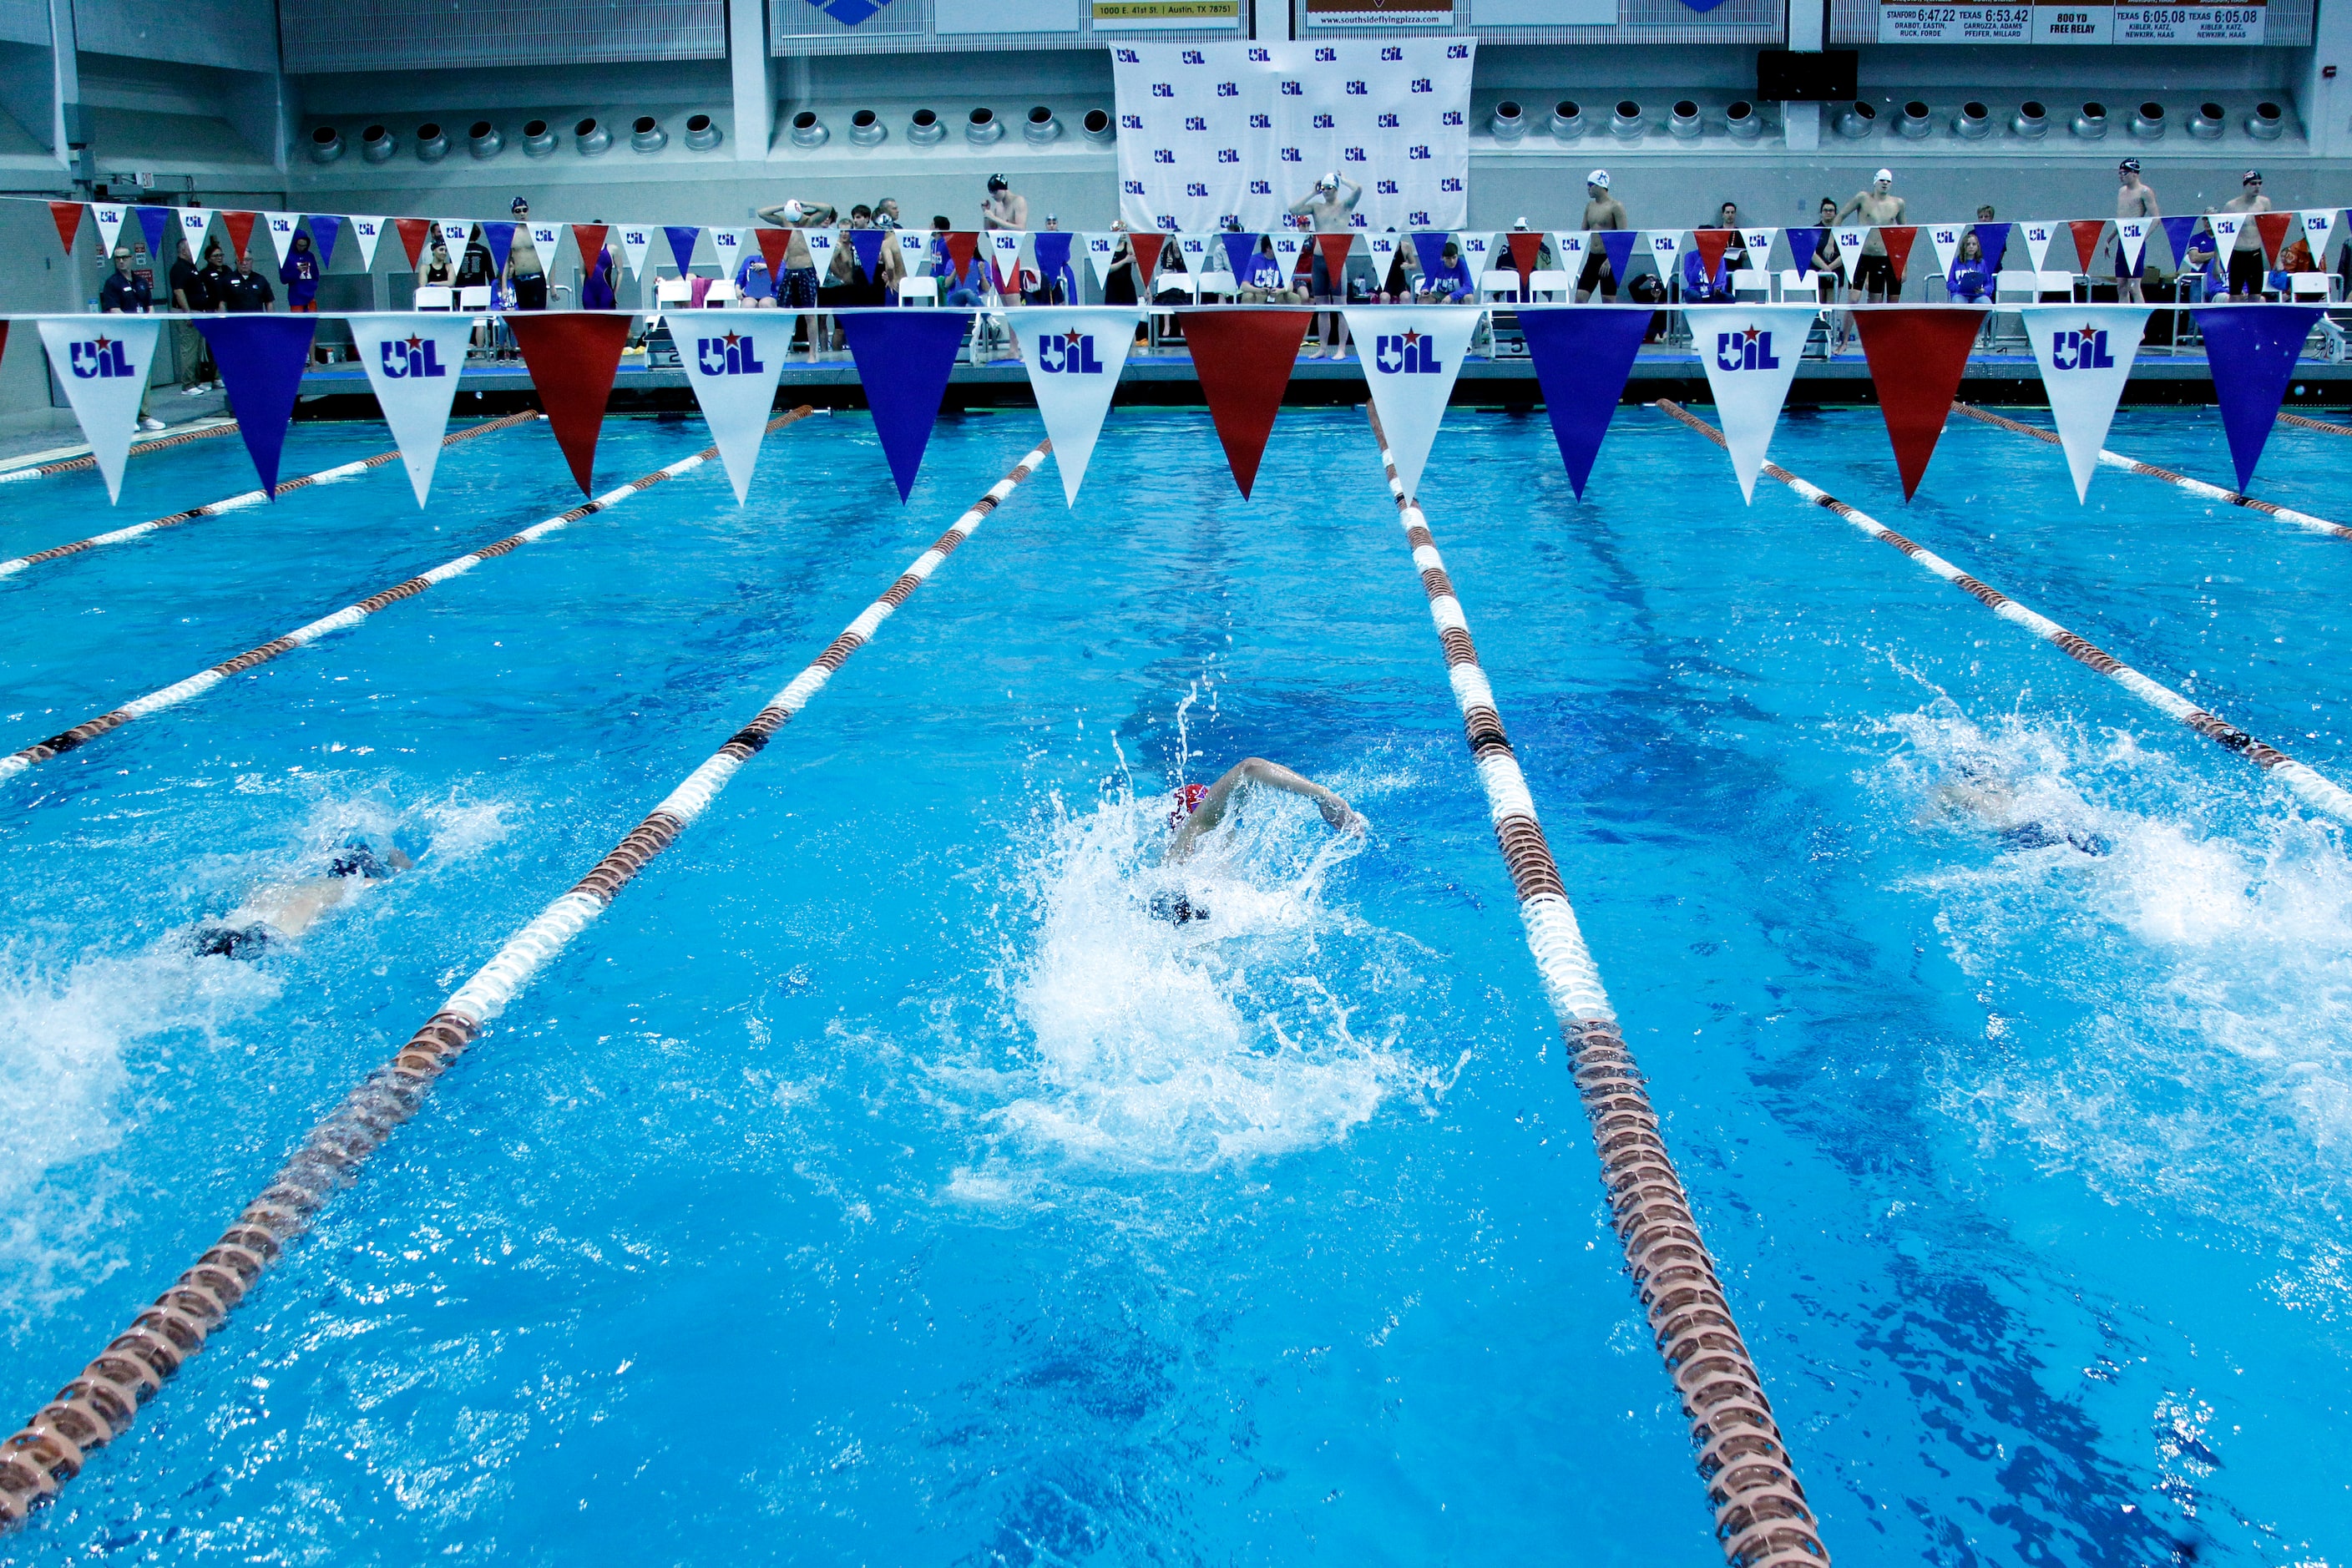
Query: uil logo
(1406, 353)
(1749, 350)
(2082, 350)
(101, 359)
(410, 359)
(734, 355)
(1067, 354)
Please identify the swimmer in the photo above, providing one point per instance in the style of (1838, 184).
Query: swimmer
(1994, 805)
(1199, 810)
(282, 911)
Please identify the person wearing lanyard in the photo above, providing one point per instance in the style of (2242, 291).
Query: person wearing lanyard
(125, 293)
(300, 273)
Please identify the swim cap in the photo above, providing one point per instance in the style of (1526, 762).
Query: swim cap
(999, 183)
(1885, 175)
(793, 211)
(2253, 177)
(520, 204)
(1597, 177)
(1187, 798)
(2129, 166)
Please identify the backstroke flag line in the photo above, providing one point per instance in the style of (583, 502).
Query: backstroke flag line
(413, 360)
(1750, 353)
(571, 356)
(1412, 357)
(1583, 354)
(904, 359)
(733, 358)
(2085, 353)
(102, 362)
(261, 359)
(1916, 355)
(2251, 349)
(1243, 358)
(1073, 356)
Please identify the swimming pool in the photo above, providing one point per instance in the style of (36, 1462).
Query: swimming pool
(877, 1182)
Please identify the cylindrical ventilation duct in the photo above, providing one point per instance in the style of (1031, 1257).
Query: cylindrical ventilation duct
(326, 144)
(2092, 123)
(1855, 120)
(1509, 123)
(591, 138)
(1685, 122)
(1568, 119)
(1742, 120)
(981, 127)
(2031, 120)
(2267, 123)
(2207, 124)
(1627, 122)
(924, 129)
(646, 134)
(1097, 125)
(1041, 126)
(1919, 120)
(2148, 123)
(538, 138)
(432, 146)
(702, 132)
(377, 142)
(866, 130)
(807, 129)
(482, 139)
(1973, 122)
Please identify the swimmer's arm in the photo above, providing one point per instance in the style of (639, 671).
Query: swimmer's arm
(1851, 207)
(1257, 770)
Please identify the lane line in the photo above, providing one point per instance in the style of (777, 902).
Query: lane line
(2194, 486)
(100, 1404)
(32, 470)
(1761, 1517)
(2316, 789)
(204, 680)
(2310, 424)
(251, 498)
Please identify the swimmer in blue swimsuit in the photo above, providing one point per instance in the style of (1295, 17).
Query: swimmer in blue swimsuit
(283, 910)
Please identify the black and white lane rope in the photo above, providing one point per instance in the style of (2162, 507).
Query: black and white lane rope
(350, 616)
(2314, 789)
(249, 498)
(1761, 1517)
(138, 449)
(2306, 423)
(2194, 486)
(101, 1403)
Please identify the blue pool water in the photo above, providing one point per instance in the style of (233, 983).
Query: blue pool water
(877, 1182)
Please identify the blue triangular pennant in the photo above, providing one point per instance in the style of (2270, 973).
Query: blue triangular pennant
(323, 231)
(1052, 250)
(2177, 233)
(152, 222)
(1803, 244)
(261, 359)
(1993, 239)
(499, 237)
(1583, 355)
(1239, 249)
(865, 244)
(903, 358)
(682, 238)
(2251, 351)
(1618, 243)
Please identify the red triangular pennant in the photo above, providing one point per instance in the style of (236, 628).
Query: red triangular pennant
(572, 356)
(1712, 243)
(1335, 248)
(2272, 226)
(963, 246)
(1243, 358)
(2087, 233)
(413, 234)
(1917, 358)
(1147, 248)
(774, 245)
(1898, 240)
(66, 215)
(588, 238)
(240, 231)
(1523, 255)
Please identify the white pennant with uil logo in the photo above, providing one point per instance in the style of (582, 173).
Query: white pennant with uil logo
(635, 238)
(1851, 238)
(2085, 353)
(1073, 355)
(1411, 358)
(2131, 237)
(1750, 353)
(412, 359)
(733, 358)
(1945, 238)
(102, 362)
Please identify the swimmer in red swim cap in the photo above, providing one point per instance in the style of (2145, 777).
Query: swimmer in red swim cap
(1197, 810)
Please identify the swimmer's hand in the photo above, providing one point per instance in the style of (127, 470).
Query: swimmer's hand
(1342, 816)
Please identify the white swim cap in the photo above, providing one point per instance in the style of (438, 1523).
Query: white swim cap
(1597, 177)
(1885, 175)
(793, 211)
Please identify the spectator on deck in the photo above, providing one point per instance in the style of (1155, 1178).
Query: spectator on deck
(1265, 280)
(1699, 286)
(216, 276)
(886, 213)
(1826, 256)
(1447, 281)
(1603, 213)
(1735, 251)
(754, 283)
(956, 292)
(1404, 264)
(2292, 259)
(1969, 281)
(2202, 263)
(249, 291)
(436, 272)
(190, 297)
(300, 273)
(124, 292)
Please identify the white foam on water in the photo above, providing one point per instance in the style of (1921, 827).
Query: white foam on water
(2207, 956)
(1276, 1025)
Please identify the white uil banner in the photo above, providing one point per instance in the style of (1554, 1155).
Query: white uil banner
(1750, 353)
(1074, 357)
(1411, 358)
(733, 358)
(1216, 132)
(102, 362)
(2085, 353)
(412, 360)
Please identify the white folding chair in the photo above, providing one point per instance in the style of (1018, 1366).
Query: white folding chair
(1755, 280)
(925, 289)
(2062, 284)
(721, 292)
(474, 297)
(1221, 284)
(671, 292)
(2306, 286)
(437, 296)
(1499, 282)
(1548, 281)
